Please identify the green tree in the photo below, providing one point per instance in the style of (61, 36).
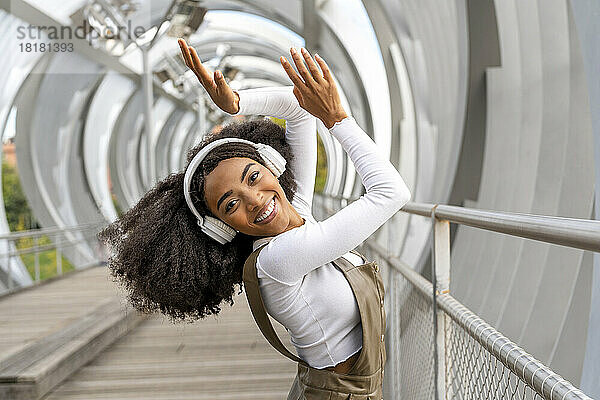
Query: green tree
(20, 217)
(18, 213)
(321, 166)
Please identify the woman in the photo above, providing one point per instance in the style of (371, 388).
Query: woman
(243, 210)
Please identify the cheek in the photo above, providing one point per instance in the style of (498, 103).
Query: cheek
(239, 219)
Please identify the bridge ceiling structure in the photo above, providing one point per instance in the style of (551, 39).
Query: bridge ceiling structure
(477, 103)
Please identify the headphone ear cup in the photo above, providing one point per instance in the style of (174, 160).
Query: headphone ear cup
(273, 159)
(218, 230)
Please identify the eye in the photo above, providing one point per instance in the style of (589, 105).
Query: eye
(251, 178)
(227, 208)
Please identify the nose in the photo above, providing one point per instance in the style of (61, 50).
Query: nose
(256, 199)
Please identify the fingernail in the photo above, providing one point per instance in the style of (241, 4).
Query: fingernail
(282, 59)
(303, 50)
(293, 50)
(218, 73)
(317, 56)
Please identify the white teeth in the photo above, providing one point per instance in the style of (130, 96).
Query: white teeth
(268, 212)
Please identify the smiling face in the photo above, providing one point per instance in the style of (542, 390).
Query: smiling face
(239, 191)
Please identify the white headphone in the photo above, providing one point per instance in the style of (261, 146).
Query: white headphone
(214, 227)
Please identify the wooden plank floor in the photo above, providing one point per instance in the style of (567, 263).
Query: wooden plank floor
(38, 312)
(223, 357)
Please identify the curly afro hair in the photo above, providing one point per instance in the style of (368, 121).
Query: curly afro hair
(158, 252)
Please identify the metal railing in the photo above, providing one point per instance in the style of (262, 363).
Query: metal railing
(442, 350)
(60, 239)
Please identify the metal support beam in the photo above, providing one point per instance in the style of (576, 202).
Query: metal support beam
(311, 25)
(441, 257)
(148, 122)
(34, 16)
(440, 272)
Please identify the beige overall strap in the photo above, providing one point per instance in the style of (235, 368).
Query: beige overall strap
(257, 306)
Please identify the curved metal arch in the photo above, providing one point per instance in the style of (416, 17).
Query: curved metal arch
(99, 125)
(20, 66)
(176, 150)
(163, 108)
(257, 8)
(193, 135)
(126, 188)
(163, 143)
(47, 146)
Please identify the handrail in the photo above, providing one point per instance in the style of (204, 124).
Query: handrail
(572, 232)
(542, 379)
(48, 231)
(39, 249)
(80, 233)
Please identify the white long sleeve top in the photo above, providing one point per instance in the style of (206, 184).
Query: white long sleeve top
(300, 286)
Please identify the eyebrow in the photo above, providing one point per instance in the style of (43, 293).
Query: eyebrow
(228, 193)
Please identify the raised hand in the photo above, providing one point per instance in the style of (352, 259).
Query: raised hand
(218, 90)
(316, 92)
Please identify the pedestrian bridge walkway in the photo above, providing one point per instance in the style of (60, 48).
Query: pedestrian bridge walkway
(76, 338)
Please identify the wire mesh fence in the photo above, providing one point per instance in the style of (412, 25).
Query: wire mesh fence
(446, 351)
(483, 363)
(474, 373)
(478, 362)
(416, 334)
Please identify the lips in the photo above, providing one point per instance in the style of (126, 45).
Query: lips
(262, 210)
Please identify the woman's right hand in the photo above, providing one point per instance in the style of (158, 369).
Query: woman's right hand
(218, 90)
(316, 92)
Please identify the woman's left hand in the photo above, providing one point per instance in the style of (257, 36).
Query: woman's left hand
(218, 90)
(316, 92)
